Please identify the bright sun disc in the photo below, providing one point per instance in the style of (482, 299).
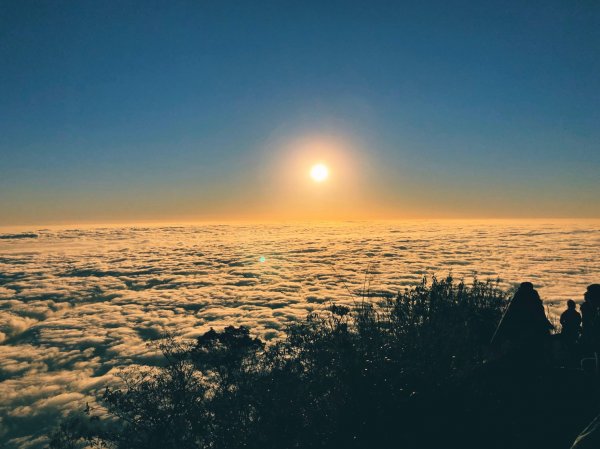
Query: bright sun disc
(319, 172)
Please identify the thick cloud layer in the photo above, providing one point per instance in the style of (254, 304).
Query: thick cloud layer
(77, 304)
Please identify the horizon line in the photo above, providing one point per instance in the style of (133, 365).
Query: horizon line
(191, 222)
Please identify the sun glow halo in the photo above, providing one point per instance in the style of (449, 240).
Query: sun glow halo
(319, 172)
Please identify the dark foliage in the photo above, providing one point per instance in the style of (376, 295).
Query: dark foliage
(405, 372)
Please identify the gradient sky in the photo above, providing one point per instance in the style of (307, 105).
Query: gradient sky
(162, 111)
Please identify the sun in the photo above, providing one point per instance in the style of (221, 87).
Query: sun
(319, 172)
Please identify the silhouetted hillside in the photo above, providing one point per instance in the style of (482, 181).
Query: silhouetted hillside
(414, 371)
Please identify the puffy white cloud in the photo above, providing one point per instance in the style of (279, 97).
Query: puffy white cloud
(12, 325)
(77, 304)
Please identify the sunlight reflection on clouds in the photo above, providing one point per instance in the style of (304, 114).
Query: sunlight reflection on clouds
(76, 304)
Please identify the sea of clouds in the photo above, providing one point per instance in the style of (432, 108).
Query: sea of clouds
(78, 303)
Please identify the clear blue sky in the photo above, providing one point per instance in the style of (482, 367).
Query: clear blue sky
(122, 110)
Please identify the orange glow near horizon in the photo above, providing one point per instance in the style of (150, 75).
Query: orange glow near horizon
(300, 176)
(315, 176)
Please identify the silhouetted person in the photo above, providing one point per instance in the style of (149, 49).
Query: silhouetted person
(590, 313)
(570, 321)
(524, 330)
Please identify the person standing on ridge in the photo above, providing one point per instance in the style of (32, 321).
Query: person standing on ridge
(570, 321)
(590, 313)
(524, 331)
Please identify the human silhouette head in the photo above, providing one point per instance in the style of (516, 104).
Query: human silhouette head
(593, 292)
(571, 304)
(526, 287)
(592, 295)
(527, 293)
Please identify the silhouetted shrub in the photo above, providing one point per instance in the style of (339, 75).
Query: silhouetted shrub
(378, 374)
